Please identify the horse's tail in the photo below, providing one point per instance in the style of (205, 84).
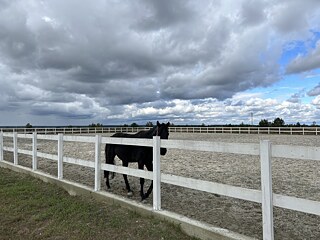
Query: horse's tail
(109, 155)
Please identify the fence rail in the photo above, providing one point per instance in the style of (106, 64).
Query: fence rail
(265, 150)
(233, 130)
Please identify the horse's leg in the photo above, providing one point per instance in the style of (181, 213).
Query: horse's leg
(125, 177)
(149, 166)
(106, 176)
(140, 166)
(109, 155)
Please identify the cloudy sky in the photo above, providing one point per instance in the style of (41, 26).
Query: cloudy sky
(69, 62)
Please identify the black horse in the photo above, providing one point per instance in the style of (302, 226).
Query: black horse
(140, 154)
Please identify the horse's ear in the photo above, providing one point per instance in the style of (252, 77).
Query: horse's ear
(158, 124)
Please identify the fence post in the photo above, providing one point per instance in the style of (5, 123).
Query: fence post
(97, 173)
(60, 155)
(34, 152)
(266, 188)
(15, 148)
(156, 174)
(1, 146)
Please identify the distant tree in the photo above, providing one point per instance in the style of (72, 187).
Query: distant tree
(203, 125)
(95, 125)
(298, 124)
(134, 125)
(242, 124)
(149, 124)
(28, 125)
(264, 123)
(314, 124)
(278, 122)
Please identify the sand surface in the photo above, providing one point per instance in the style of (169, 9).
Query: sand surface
(298, 178)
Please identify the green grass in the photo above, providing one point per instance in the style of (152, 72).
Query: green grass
(32, 209)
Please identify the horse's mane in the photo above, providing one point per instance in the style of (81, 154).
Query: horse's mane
(140, 134)
(145, 134)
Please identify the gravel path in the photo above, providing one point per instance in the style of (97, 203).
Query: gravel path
(297, 178)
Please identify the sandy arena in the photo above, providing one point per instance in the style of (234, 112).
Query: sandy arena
(298, 178)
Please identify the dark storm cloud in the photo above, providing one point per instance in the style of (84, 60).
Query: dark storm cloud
(252, 12)
(127, 92)
(163, 14)
(17, 43)
(86, 46)
(293, 16)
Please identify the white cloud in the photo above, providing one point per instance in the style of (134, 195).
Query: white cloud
(316, 101)
(210, 111)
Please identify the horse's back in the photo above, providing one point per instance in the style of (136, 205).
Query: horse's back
(131, 153)
(127, 135)
(121, 135)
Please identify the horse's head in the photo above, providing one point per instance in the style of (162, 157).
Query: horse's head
(162, 130)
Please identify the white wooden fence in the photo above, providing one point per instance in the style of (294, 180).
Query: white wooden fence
(234, 130)
(265, 149)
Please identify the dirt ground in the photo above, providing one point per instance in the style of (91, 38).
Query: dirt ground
(298, 178)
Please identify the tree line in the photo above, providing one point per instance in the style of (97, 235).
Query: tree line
(277, 122)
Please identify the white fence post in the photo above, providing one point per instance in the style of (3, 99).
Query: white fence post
(97, 174)
(34, 152)
(60, 156)
(1, 146)
(15, 148)
(266, 188)
(156, 174)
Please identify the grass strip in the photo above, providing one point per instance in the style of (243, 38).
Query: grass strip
(32, 209)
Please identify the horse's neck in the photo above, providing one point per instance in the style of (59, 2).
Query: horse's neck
(145, 134)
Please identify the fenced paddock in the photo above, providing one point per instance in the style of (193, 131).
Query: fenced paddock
(232, 130)
(242, 182)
